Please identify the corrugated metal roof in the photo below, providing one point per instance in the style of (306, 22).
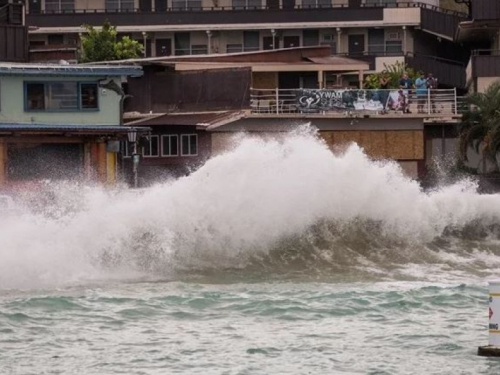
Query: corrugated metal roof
(70, 70)
(70, 128)
(337, 60)
(187, 119)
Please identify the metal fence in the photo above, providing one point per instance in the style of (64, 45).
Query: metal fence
(347, 101)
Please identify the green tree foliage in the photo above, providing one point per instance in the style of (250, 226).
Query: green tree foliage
(480, 127)
(394, 72)
(102, 45)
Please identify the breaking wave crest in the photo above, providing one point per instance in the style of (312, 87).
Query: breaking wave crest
(267, 209)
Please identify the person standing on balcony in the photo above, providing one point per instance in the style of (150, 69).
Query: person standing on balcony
(421, 90)
(405, 84)
(432, 84)
(384, 87)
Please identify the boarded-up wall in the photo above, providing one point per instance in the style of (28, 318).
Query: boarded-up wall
(13, 43)
(394, 144)
(265, 80)
(167, 91)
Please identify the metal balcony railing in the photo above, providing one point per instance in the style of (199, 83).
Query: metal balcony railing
(347, 102)
(187, 8)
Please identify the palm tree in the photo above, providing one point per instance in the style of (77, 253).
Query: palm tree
(480, 127)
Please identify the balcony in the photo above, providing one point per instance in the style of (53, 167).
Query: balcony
(435, 20)
(485, 63)
(483, 69)
(449, 72)
(485, 10)
(13, 34)
(11, 14)
(203, 16)
(353, 103)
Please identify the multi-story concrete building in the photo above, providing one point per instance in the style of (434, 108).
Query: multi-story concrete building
(377, 31)
(483, 32)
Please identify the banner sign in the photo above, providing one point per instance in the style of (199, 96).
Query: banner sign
(351, 100)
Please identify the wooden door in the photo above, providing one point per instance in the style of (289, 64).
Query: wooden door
(267, 42)
(291, 41)
(163, 47)
(35, 6)
(356, 44)
(273, 4)
(145, 5)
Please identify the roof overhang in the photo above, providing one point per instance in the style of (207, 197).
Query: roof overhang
(272, 67)
(91, 130)
(70, 70)
(235, 26)
(477, 30)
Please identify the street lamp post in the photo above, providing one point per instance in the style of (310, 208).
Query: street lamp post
(132, 138)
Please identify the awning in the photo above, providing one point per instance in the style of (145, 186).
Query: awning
(198, 119)
(45, 129)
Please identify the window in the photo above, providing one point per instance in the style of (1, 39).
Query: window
(234, 48)
(127, 149)
(251, 41)
(376, 38)
(88, 97)
(310, 38)
(199, 49)
(169, 145)
(316, 3)
(182, 43)
(244, 4)
(57, 6)
(61, 96)
(186, 4)
(150, 149)
(395, 46)
(189, 145)
(380, 2)
(119, 5)
(55, 39)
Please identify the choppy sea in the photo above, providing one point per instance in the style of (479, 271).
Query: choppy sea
(279, 257)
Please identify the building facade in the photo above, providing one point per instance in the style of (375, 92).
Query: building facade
(61, 122)
(377, 31)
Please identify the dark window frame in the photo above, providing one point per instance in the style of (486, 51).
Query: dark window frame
(189, 145)
(171, 155)
(150, 141)
(79, 107)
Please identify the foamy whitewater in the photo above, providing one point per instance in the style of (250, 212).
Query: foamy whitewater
(276, 257)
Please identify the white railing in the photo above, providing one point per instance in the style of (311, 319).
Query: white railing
(348, 101)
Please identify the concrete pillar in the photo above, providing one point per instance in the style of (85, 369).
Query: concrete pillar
(145, 38)
(101, 162)
(111, 168)
(3, 163)
(339, 40)
(404, 40)
(273, 34)
(87, 161)
(361, 79)
(209, 46)
(320, 79)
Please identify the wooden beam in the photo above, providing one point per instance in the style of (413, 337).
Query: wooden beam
(3, 163)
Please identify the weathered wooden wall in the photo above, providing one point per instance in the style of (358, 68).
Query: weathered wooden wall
(13, 43)
(168, 91)
(265, 80)
(396, 144)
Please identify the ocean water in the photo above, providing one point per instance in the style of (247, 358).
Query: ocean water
(278, 257)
